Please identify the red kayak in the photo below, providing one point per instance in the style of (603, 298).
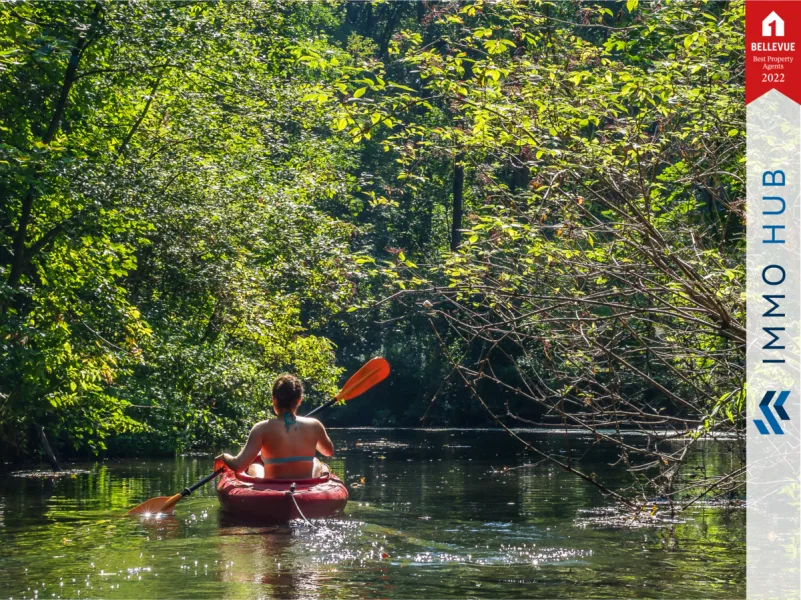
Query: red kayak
(253, 498)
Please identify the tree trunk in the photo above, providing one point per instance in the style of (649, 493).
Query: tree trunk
(390, 27)
(458, 197)
(21, 235)
(352, 13)
(51, 457)
(421, 11)
(520, 175)
(367, 19)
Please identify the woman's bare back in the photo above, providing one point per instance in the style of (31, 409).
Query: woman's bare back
(301, 439)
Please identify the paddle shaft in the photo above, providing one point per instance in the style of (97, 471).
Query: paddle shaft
(322, 406)
(186, 491)
(203, 481)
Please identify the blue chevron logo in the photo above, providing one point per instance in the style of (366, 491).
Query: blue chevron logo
(764, 406)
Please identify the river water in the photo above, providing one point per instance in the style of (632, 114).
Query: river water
(432, 514)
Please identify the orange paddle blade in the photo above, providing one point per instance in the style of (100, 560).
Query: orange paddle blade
(374, 371)
(159, 504)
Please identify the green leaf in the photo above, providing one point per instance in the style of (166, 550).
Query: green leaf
(631, 5)
(360, 92)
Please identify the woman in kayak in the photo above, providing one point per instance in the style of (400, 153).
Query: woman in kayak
(287, 443)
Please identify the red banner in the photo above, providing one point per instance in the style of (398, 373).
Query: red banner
(772, 45)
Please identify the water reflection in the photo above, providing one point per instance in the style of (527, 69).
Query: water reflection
(161, 526)
(432, 514)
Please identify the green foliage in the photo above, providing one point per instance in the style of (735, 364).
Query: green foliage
(199, 196)
(601, 267)
(164, 189)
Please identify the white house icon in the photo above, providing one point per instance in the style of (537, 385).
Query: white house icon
(778, 26)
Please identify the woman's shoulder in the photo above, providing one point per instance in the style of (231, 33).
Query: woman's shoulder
(309, 421)
(263, 425)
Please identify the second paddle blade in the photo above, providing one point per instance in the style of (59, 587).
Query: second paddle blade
(370, 374)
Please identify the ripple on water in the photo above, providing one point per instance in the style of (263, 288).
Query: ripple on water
(48, 474)
(426, 521)
(614, 517)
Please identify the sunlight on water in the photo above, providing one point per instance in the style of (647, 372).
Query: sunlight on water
(432, 514)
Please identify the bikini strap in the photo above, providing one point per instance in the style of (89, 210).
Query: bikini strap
(289, 420)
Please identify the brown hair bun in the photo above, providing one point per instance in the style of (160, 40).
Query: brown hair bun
(287, 391)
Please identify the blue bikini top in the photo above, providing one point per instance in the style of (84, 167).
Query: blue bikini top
(288, 459)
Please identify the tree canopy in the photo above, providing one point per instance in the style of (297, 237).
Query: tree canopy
(534, 210)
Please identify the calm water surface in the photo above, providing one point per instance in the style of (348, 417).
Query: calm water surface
(432, 514)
